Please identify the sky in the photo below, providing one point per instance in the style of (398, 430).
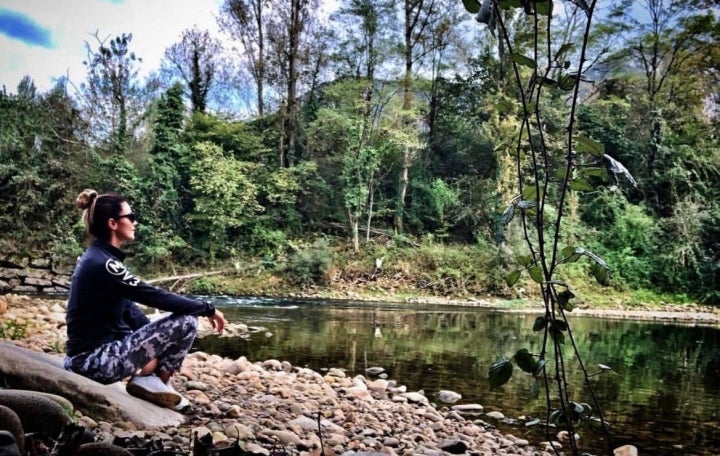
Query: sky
(45, 39)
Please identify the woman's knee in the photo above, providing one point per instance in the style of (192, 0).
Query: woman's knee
(182, 326)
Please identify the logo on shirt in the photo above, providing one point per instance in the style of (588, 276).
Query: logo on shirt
(117, 268)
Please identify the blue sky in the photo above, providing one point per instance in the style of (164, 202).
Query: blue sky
(45, 38)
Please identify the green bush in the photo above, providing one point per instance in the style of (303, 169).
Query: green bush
(310, 265)
(203, 286)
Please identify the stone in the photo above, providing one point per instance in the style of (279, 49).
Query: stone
(36, 412)
(10, 422)
(43, 372)
(626, 450)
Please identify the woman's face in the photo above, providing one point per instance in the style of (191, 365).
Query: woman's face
(123, 226)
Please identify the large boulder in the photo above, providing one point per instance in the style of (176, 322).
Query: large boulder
(26, 369)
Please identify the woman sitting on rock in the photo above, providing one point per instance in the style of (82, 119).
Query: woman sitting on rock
(109, 337)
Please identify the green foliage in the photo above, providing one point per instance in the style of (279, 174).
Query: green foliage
(225, 194)
(457, 271)
(309, 265)
(12, 330)
(203, 286)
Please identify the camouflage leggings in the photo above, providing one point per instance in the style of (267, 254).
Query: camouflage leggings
(168, 340)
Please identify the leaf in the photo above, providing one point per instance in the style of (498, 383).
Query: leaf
(604, 367)
(512, 278)
(525, 360)
(566, 82)
(581, 185)
(560, 325)
(583, 5)
(544, 7)
(525, 260)
(564, 297)
(540, 367)
(584, 144)
(472, 6)
(540, 323)
(536, 274)
(571, 254)
(565, 48)
(557, 334)
(508, 214)
(524, 61)
(600, 274)
(500, 372)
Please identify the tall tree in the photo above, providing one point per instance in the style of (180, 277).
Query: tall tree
(195, 59)
(245, 21)
(420, 20)
(290, 33)
(111, 95)
(669, 44)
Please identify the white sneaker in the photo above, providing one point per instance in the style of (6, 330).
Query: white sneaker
(152, 389)
(184, 404)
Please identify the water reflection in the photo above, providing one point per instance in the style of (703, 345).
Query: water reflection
(662, 394)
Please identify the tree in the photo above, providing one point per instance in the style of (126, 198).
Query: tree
(195, 59)
(42, 163)
(289, 32)
(111, 95)
(225, 195)
(245, 21)
(669, 44)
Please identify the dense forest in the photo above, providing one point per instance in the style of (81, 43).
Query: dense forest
(388, 125)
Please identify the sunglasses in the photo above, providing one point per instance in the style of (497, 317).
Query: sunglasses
(130, 216)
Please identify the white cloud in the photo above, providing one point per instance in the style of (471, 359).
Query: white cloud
(155, 25)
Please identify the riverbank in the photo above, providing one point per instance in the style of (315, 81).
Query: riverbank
(238, 398)
(675, 313)
(273, 407)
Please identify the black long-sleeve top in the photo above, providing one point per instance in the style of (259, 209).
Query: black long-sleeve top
(103, 293)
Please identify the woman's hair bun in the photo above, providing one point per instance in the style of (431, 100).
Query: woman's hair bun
(85, 199)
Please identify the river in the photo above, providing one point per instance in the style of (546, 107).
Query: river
(662, 394)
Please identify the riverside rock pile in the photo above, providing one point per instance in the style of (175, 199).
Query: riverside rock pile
(272, 407)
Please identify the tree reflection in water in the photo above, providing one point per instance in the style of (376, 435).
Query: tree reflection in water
(663, 393)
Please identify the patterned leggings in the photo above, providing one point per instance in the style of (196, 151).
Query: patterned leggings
(168, 339)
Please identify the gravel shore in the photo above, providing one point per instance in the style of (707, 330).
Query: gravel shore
(272, 407)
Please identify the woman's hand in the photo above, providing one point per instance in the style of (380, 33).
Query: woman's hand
(218, 321)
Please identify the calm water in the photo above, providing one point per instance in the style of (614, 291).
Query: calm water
(663, 394)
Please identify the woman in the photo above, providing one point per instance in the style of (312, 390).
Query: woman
(109, 337)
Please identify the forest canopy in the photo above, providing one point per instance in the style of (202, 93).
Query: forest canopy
(388, 120)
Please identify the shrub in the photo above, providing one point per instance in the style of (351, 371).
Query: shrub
(310, 265)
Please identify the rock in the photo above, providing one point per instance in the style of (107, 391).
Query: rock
(43, 372)
(9, 421)
(36, 412)
(8, 444)
(625, 450)
(454, 446)
(449, 397)
(101, 449)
